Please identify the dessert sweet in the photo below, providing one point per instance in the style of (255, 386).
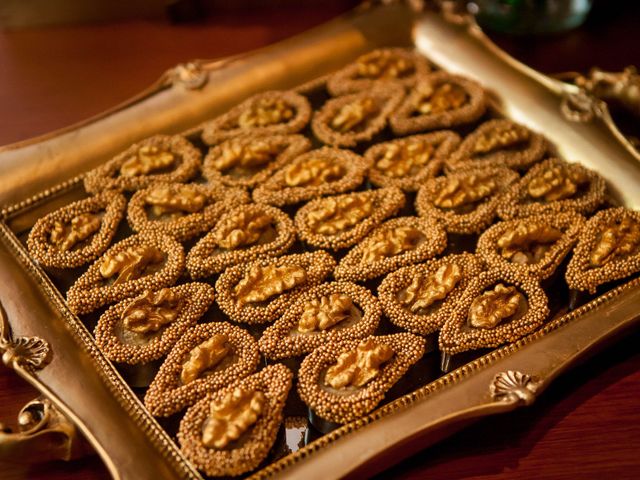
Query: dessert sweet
(182, 211)
(260, 291)
(77, 233)
(419, 298)
(161, 158)
(341, 221)
(146, 261)
(387, 65)
(326, 313)
(143, 329)
(231, 431)
(268, 113)
(243, 234)
(395, 243)
(342, 381)
(206, 358)
(325, 171)
(439, 100)
(465, 202)
(407, 162)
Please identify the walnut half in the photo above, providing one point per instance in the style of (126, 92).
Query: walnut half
(401, 160)
(151, 311)
(148, 160)
(359, 366)
(232, 416)
(325, 312)
(444, 97)
(387, 243)
(312, 173)
(131, 263)
(165, 199)
(242, 228)
(81, 227)
(494, 306)
(205, 357)
(460, 191)
(527, 242)
(238, 154)
(619, 238)
(354, 114)
(424, 291)
(383, 65)
(265, 112)
(334, 215)
(501, 137)
(556, 183)
(261, 283)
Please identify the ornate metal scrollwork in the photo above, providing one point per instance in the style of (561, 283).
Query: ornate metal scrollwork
(191, 75)
(31, 353)
(513, 386)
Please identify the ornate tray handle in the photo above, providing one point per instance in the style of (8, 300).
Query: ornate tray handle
(43, 434)
(29, 353)
(513, 387)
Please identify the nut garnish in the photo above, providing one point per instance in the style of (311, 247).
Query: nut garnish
(315, 171)
(149, 158)
(424, 291)
(387, 243)
(337, 214)
(151, 311)
(445, 97)
(556, 183)
(243, 228)
(354, 114)
(164, 199)
(325, 312)
(130, 263)
(493, 306)
(527, 242)
(240, 154)
(81, 227)
(383, 64)
(261, 283)
(265, 112)
(232, 416)
(460, 191)
(501, 137)
(356, 368)
(401, 160)
(204, 357)
(618, 239)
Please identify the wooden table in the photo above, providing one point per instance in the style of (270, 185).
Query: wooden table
(586, 425)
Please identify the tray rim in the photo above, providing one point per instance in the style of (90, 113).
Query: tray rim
(84, 337)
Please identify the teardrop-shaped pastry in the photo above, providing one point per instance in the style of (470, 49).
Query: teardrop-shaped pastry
(268, 113)
(182, 211)
(419, 298)
(536, 245)
(206, 358)
(467, 201)
(554, 186)
(407, 162)
(248, 160)
(325, 171)
(497, 307)
(608, 249)
(144, 328)
(396, 243)
(77, 233)
(324, 314)
(342, 381)
(231, 431)
(260, 291)
(146, 261)
(348, 120)
(241, 235)
(388, 65)
(161, 158)
(499, 143)
(439, 100)
(341, 221)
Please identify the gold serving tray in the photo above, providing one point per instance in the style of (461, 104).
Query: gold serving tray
(51, 348)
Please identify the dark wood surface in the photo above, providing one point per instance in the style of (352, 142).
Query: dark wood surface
(587, 425)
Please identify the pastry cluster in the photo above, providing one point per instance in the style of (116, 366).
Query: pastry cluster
(309, 227)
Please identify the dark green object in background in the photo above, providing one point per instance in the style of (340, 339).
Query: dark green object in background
(530, 16)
